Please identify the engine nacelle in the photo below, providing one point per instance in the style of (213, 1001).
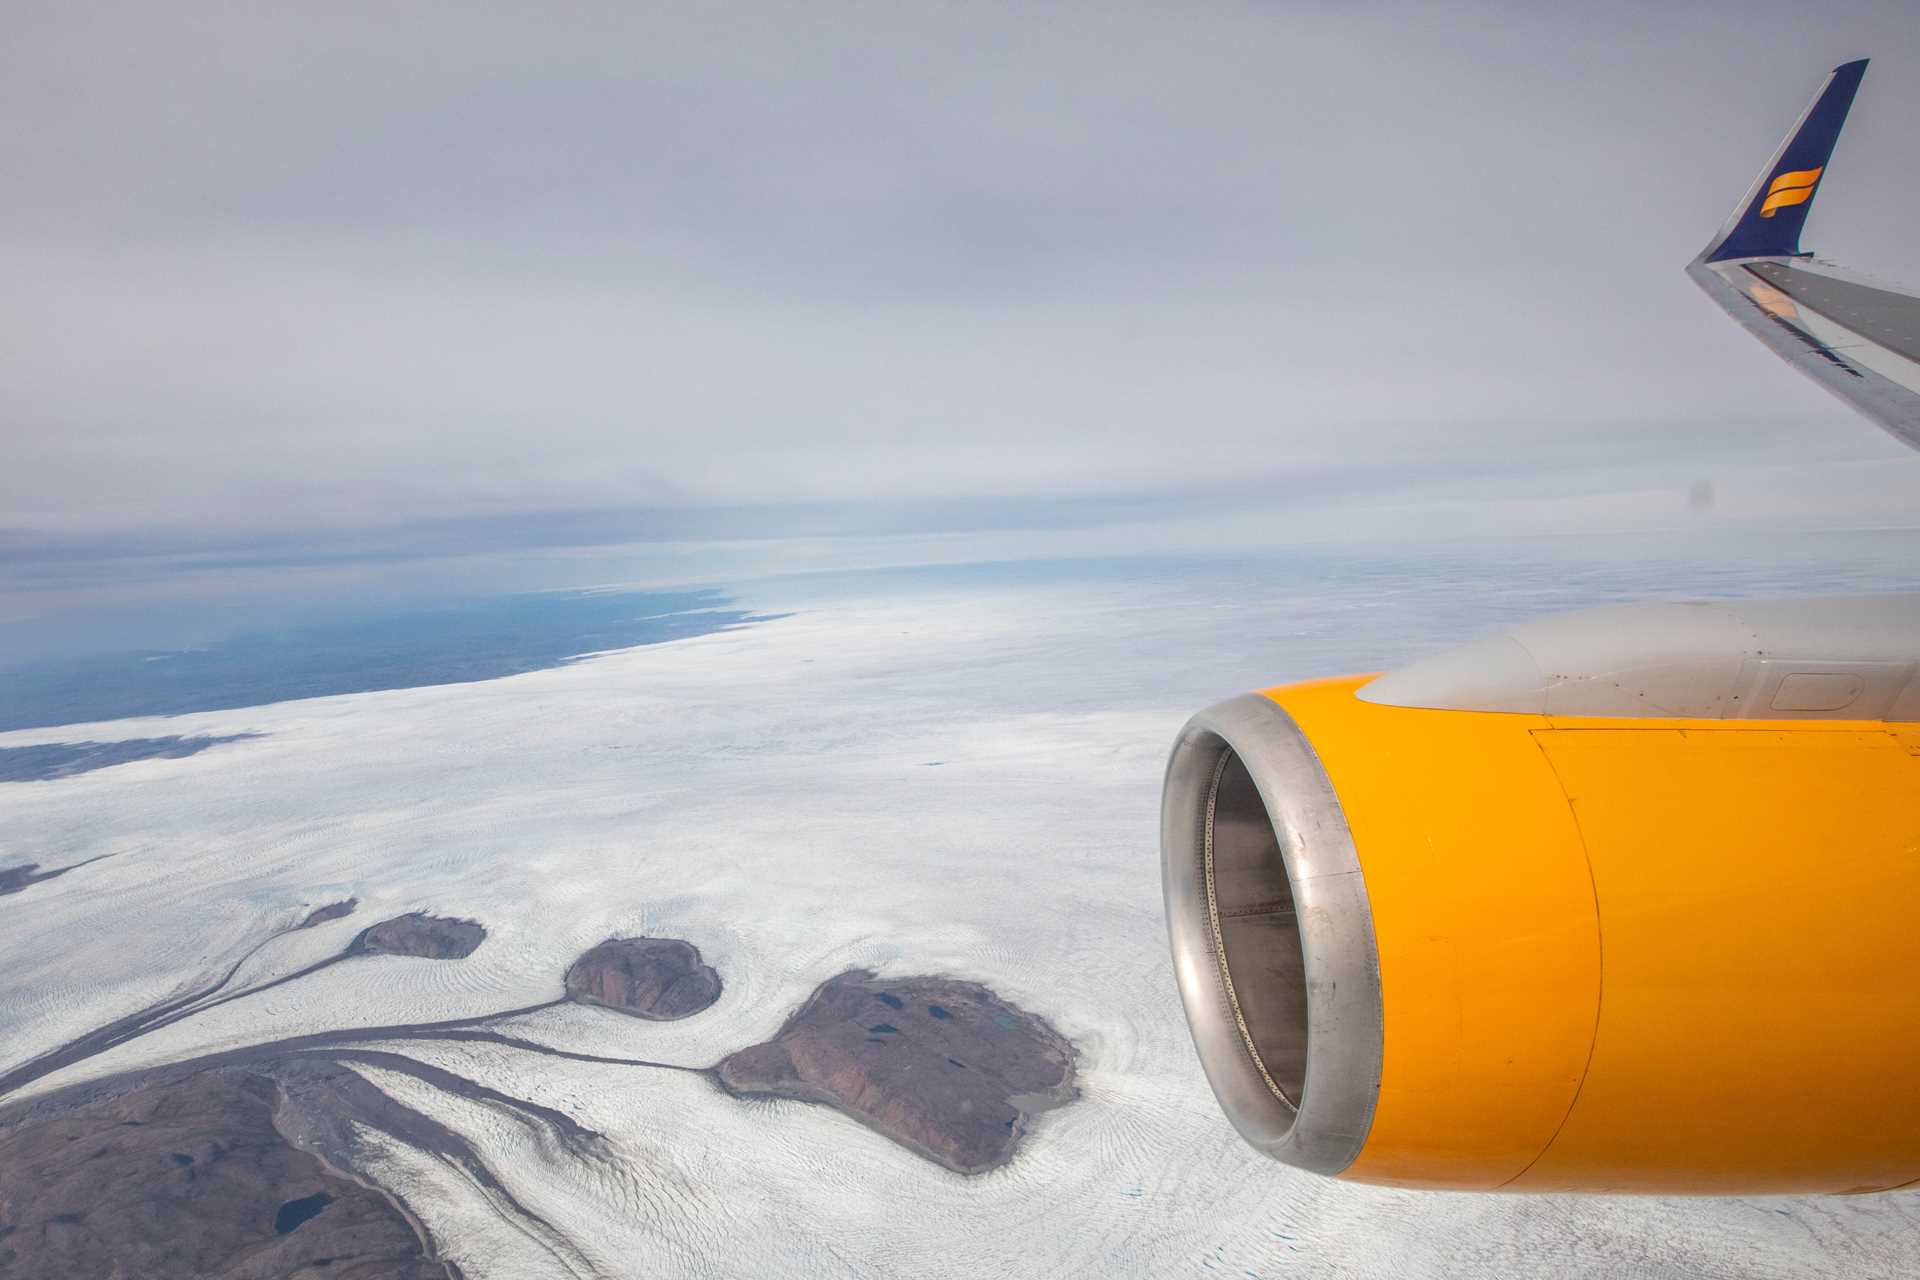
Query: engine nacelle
(1653, 925)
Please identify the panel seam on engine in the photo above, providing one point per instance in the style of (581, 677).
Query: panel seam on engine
(1600, 977)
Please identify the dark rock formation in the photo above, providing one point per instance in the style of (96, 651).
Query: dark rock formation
(943, 1067)
(419, 934)
(332, 911)
(14, 879)
(658, 978)
(190, 1179)
(47, 761)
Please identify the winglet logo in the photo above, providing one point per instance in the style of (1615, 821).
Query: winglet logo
(1789, 189)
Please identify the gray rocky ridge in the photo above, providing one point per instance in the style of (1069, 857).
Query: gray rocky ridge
(190, 1180)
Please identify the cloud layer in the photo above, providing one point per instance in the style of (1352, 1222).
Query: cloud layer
(281, 265)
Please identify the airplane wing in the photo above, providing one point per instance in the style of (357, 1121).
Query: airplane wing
(1857, 338)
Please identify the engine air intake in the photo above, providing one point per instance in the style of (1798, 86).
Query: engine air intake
(1272, 939)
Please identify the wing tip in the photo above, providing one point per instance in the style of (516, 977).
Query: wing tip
(1768, 220)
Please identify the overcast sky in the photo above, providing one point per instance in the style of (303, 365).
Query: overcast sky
(276, 266)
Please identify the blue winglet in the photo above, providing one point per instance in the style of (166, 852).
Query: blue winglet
(1767, 223)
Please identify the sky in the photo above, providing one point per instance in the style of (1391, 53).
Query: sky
(286, 274)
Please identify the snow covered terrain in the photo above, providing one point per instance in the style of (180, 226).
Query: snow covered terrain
(955, 776)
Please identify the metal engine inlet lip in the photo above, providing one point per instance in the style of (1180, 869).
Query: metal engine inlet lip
(1341, 963)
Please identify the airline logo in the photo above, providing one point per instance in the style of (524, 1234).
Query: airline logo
(1789, 189)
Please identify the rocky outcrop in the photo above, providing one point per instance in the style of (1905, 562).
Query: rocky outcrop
(49, 761)
(190, 1179)
(14, 879)
(657, 978)
(941, 1066)
(332, 911)
(419, 934)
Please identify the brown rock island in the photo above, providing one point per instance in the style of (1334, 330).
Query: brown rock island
(944, 1067)
(332, 911)
(191, 1179)
(419, 934)
(657, 978)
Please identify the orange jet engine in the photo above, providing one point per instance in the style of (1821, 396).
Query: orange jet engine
(1625, 900)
